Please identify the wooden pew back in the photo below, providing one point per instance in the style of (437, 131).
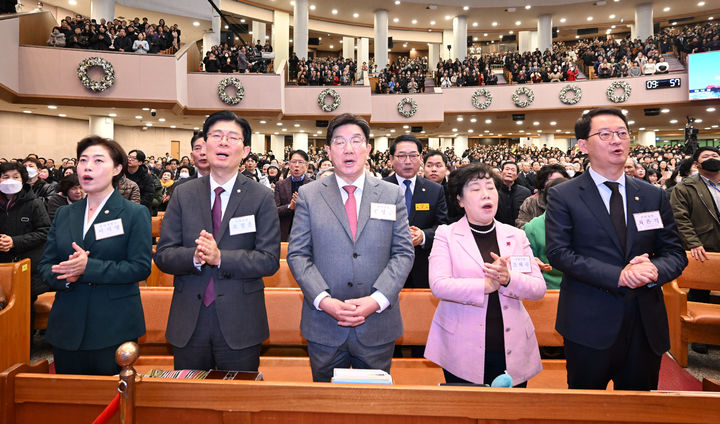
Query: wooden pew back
(701, 275)
(15, 318)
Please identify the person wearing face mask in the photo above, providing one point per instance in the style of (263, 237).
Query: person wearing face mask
(696, 204)
(184, 172)
(40, 187)
(24, 223)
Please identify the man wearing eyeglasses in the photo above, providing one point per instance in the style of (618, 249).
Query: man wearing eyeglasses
(220, 236)
(286, 191)
(425, 201)
(350, 253)
(616, 242)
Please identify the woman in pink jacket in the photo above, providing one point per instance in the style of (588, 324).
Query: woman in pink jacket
(481, 269)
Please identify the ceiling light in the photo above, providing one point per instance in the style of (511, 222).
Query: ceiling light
(471, 131)
(612, 16)
(292, 3)
(473, 120)
(331, 46)
(62, 115)
(173, 126)
(196, 23)
(536, 123)
(475, 24)
(460, 119)
(488, 121)
(242, 21)
(138, 116)
(161, 120)
(355, 15)
(519, 122)
(72, 2)
(318, 132)
(319, 38)
(196, 128)
(284, 129)
(577, 36)
(475, 38)
(558, 130)
(485, 34)
(432, 22)
(641, 129)
(666, 9)
(518, 22)
(562, 20)
(624, 111)
(511, 32)
(613, 27)
(666, 110)
(710, 109)
(711, 18)
(312, 7)
(112, 115)
(296, 125)
(396, 20)
(149, 124)
(392, 131)
(406, 127)
(263, 122)
(397, 2)
(52, 107)
(589, 18)
(227, 27)
(701, 4)
(631, 122)
(455, 130)
(334, 12)
(673, 121)
(279, 124)
(448, 17)
(494, 23)
(698, 120)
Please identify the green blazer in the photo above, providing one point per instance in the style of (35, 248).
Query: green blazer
(103, 307)
(535, 231)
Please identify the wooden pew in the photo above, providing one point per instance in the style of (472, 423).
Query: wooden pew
(30, 395)
(283, 278)
(693, 321)
(156, 225)
(283, 249)
(15, 317)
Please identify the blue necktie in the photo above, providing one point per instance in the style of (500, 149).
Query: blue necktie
(408, 196)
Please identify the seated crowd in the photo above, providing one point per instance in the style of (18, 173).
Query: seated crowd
(326, 71)
(116, 35)
(403, 76)
(228, 58)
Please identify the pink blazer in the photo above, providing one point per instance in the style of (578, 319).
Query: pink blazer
(457, 336)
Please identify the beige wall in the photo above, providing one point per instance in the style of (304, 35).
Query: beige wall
(21, 134)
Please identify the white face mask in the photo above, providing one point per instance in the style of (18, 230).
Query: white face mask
(32, 172)
(184, 175)
(570, 173)
(11, 186)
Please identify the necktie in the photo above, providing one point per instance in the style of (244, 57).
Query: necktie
(209, 296)
(351, 208)
(617, 212)
(408, 196)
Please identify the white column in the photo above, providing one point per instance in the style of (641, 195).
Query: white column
(460, 37)
(216, 26)
(633, 33)
(277, 145)
(643, 21)
(447, 142)
(544, 31)
(103, 126)
(527, 41)
(646, 138)
(259, 31)
(460, 144)
(348, 48)
(281, 36)
(300, 141)
(100, 9)
(209, 41)
(433, 143)
(363, 52)
(381, 36)
(257, 143)
(381, 144)
(433, 55)
(300, 29)
(447, 40)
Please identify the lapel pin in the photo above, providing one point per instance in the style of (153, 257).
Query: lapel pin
(107, 211)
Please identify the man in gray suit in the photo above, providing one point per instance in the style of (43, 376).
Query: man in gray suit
(350, 252)
(220, 236)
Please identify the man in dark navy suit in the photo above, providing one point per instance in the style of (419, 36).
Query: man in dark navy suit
(616, 242)
(425, 201)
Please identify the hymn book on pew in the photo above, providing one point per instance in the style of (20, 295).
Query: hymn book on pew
(206, 375)
(360, 376)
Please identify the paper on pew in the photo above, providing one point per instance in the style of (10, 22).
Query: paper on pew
(361, 376)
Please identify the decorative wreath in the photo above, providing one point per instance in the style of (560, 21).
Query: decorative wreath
(407, 112)
(328, 107)
(481, 92)
(222, 88)
(577, 94)
(107, 80)
(615, 98)
(529, 97)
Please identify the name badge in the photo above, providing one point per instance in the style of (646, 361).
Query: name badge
(520, 263)
(108, 229)
(422, 206)
(242, 225)
(645, 221)
(384, 211)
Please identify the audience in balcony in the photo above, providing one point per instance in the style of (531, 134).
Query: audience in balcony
(326, 71)
(227, 58)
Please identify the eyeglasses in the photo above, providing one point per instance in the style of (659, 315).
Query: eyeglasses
(298, 162)
(606, 135)
(355, 141)
(232, 138)
(412, 156)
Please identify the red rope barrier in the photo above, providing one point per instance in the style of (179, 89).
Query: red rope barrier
(109, 411)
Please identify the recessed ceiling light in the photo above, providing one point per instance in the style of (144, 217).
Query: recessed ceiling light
(710, 109)
(558, 130)
(475, 38)
(414, 21)
(454, 130)
(432, 22)
(527, 6)
(397, 2)
(52, 107)
(494, 23)
(332, 46)
(173, 126)
(666, 9)
(146, 109)
(318, 132)
(589, 18)
(485, 34)
(562, 20)
(62, 115)
(518, 22)
(196, 23)
(296, 125)
(519, 122)
(279, 124)
(263, 122)
(355, 15)
(227, 27)
(466, 7)
(112, 115)
(406, 126)
(460, 119)
(149, 124)
(161, 120)
(396, 20)
(488, 121)
(577, 36)
(138, 116)
(473, 120)
(553, 123)
(641, 129)
(284, 129)
(242, 21)
(511, 32)
(72, 2)
(701, 3)
(673, 121)
(319, 38)
(612, 16)
(196, 128)
(666, 110)
(698, 120)
(312, 7)
(448, 17)
(334, 12)
(536, 123)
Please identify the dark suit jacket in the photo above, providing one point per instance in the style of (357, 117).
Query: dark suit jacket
(582, 243)
(103, 307)
(283, 196)
(246, 258)
(431, 194)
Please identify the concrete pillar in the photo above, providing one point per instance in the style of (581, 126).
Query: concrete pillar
(216, 26)
(281, 36)
(259, 31)
(459, 37)
(381, 36)
(381, 144)
(348, 48)
(643, 21)
(257, 143)
(104, 126)
(447, 38)
(460, 144)
(544, 32)
(646, 138)
(447, 142)
(100, 9)
(527, 41)
(433, 143)
(363, 53)
(277, 145)
(300, 141)
(433, 55)
(300, 29)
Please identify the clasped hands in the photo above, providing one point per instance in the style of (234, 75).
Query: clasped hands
(496, 273)
(351, 312)
(6, 243)
(416, 235)
(206, 250)
(74, 267)
(638, 272)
